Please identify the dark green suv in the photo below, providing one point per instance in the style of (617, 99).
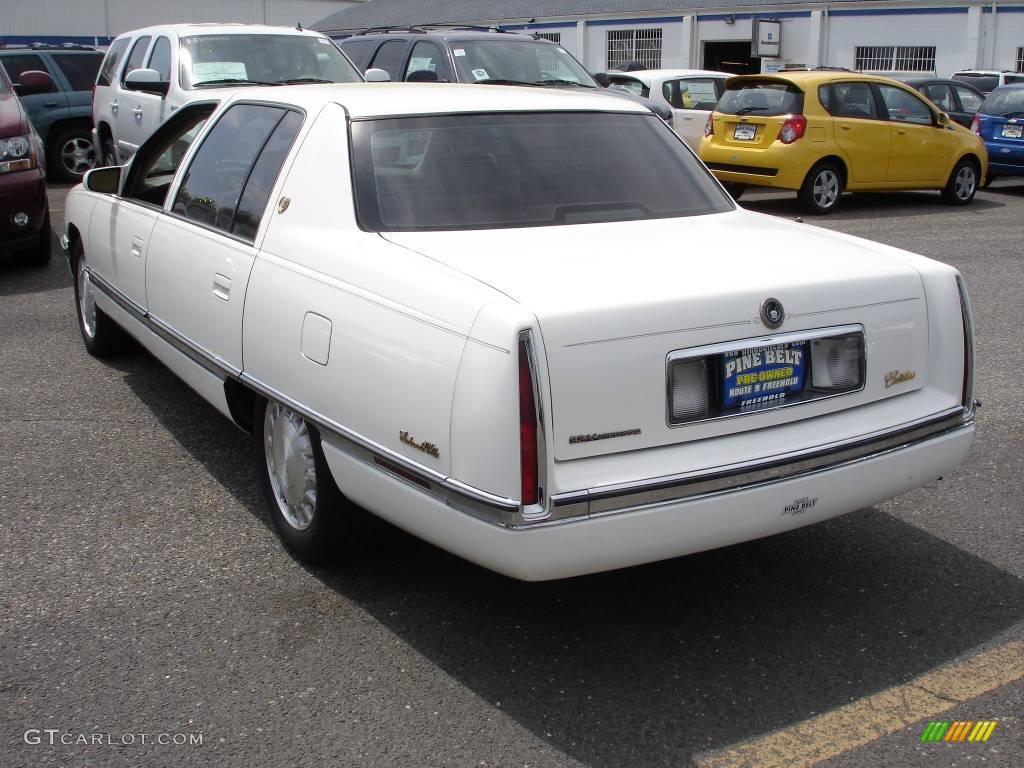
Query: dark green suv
(63, 116)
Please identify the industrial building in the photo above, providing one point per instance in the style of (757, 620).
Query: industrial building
(879, 36)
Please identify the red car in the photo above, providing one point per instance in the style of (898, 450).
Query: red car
(24, 213)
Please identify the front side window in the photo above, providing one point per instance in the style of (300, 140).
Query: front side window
(136, 57)
(517, 61)
(389, 58)
(524, 170)
(427, 64)
(217, 60)
(214, 185)
(111, 60)
(160, 58)
(761, 97)
(941, 96)
(902, 106)
(631, 84)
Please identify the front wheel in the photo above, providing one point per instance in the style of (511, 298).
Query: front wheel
(822, 189)
(312, 517)
(962, 184)
(72, 154)
(101, 335)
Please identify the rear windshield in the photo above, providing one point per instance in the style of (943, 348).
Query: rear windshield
(1004, 102)
(983, 83)
(217, 60)
(761, 97)
(524, 170)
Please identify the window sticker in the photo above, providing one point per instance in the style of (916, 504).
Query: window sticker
(459, 51)
(481, 74)
(417, 64)
(205, 71)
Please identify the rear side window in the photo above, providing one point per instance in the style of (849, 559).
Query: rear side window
(136, 56)
(114, 54)
(761, 97)
(17, 64)
(79, 68)
(851, 100)
(694, 93)
(214, 189)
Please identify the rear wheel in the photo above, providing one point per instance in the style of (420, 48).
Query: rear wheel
(822, 189)
(100, 334)
(109, 153)
(312, 517)
(962, 184)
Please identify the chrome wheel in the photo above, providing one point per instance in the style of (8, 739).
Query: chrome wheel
(825, 189)
(86, 300)
(288, 449)
(965, 182)
(77, 155)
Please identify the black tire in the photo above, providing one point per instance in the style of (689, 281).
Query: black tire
(39, 254)
(736, 190)
(71, 153)
(105, 338)
(822, 188)
(326, 528)
(962, 184)
(109, 155)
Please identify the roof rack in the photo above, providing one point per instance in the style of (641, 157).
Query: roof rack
(51, 47)
(816, 69)
(422, 29)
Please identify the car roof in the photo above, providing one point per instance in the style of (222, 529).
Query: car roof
(411, 99)
(449, 35)
(648, 76)
(806, 79)
(219, 28)
(984, 72)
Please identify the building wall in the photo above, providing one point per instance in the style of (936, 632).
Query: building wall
(84, 20)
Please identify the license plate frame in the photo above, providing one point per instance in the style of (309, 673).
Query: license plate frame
(762, 377)
(744, 132)
(1012, 131)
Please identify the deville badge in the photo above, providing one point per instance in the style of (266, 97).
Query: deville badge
(772, 313)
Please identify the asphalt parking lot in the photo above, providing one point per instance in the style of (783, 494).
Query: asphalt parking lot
(144, 594)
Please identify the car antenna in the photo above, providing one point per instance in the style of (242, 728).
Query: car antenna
(298, 26)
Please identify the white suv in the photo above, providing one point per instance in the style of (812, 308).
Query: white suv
(149, 73)
(987, 80)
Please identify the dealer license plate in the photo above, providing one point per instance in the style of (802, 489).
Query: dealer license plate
(1013, 131)
(763, 377)
(745, 132)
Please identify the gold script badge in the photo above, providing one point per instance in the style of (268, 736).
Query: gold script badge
(428, 448)
(892, 378)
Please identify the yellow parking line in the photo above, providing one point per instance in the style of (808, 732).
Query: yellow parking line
(851, 726)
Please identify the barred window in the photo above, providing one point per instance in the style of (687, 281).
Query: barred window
(895, 58)
(640, 45)
(554, 37)
(1020, 59)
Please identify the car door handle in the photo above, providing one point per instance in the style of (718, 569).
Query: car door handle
(114, 106)
(136, 247)
(222, 287)
(50, 104)
(846, 127)
(137, 111)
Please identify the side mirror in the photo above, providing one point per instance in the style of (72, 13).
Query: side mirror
(375, 75)
(33, 81)
(146, 80)
(106, 181)
(942, 120)
(601, 78)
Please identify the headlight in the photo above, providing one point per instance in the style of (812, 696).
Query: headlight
(16, 154)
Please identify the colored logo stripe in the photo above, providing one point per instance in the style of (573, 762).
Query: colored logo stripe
(958, 730)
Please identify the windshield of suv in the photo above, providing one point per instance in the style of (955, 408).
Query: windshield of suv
(487, 171)
(532, 62)
(1004, 102)
(213, 60)
(761, 97)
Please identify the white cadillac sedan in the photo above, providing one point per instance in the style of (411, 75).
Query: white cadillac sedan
(527, 326)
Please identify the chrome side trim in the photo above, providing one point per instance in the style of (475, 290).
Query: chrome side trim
(656, 491)
(756, 342)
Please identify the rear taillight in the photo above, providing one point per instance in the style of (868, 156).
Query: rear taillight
(709, 126)
(976, 124)
(792, 129)
(967, 392)
(529, 480)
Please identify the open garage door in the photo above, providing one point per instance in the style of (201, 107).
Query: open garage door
(731, 56)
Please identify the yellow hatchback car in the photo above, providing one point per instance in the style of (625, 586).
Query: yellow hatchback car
(825, 132)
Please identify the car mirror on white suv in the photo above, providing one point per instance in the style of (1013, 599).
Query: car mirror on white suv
(376, 75)
(146, 80)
